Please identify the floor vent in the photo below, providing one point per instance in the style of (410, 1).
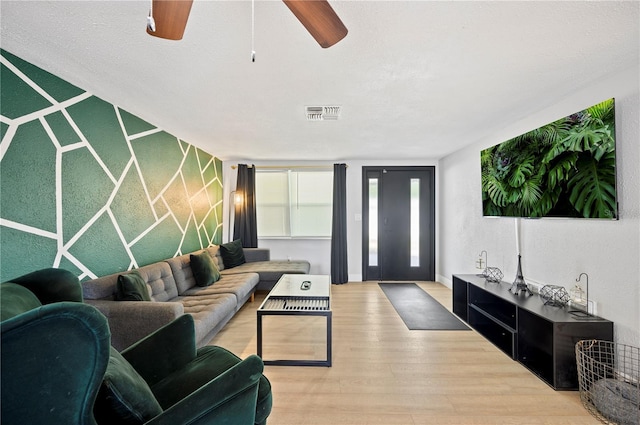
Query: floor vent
(323, 113)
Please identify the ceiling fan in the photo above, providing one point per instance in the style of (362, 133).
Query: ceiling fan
(168, 19)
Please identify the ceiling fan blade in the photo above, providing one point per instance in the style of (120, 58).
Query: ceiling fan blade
(170, 17)
(319, 18)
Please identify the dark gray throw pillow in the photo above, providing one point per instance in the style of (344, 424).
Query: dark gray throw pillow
(204, 269)
(232, 254)
(132, 287)
(124, 397)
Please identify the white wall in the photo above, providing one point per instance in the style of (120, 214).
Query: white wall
(318, 251)
(555, 251)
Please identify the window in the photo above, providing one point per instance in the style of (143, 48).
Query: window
(294, 203)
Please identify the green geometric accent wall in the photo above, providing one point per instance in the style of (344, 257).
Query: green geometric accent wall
(89, 187)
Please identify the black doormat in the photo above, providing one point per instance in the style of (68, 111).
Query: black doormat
(419, 310)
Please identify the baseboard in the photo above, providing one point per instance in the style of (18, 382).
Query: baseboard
(445, 281)
(355, 277)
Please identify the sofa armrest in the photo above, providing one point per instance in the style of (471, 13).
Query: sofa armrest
(53, 360)
(233, 394)
(130, 321)
(164, 351)
(256, 254)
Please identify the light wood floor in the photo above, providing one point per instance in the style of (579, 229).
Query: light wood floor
(383, 373)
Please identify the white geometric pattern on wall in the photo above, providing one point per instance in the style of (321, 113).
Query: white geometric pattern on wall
(89, 187)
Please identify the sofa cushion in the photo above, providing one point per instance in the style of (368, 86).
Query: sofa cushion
(241, 285)
(214, 251)
(232, 254)
(210, 362)
(101, 288)
(159, 277)
(124, 397)
(131, 287)
(182, 272)
(208, 311)
(204, 269)
(256, 254)
(271, 270)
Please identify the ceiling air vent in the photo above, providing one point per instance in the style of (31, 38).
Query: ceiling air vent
(323, 113)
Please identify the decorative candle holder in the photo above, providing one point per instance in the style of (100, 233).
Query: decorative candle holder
(578, 299)
(479, 263)
(554, 295)
(493, 274)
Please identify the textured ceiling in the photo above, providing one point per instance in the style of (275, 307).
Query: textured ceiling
(415, 79)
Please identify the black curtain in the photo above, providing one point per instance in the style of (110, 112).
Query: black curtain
(339, 269)
(245, 225)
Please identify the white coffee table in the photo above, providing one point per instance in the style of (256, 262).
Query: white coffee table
(298, 295)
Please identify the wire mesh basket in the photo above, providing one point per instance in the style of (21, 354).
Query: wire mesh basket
(609, 381)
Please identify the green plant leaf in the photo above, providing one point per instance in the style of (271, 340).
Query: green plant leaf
(593, 187)
(547, 201)
(561, 170)
(581, 139)
(494, 188)
(522, 171)
(486, 158)
(603, 111)
(531, 192)
(491, 209)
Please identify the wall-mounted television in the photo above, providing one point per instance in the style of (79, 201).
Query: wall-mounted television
(566, 168)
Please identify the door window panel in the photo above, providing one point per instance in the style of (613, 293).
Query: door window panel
(415, 222)
(373, 222)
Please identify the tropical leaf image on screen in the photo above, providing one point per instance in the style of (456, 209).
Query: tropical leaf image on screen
(563, 169)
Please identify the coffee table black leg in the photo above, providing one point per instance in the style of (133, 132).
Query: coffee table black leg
(259, 321)
(329, 340)
(297, 362)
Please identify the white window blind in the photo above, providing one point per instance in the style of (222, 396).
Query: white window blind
(294, 203)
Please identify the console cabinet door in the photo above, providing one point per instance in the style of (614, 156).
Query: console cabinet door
(535, 345)
(460, 300)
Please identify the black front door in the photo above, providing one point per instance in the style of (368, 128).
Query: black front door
(399, 223)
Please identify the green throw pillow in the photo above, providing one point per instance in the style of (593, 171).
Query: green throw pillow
(204, 269)
(232, 254)
(124, 397)
(132, 287)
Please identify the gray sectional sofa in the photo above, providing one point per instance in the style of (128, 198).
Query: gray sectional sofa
(174, 292)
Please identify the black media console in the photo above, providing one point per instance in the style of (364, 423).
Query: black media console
(541, 337)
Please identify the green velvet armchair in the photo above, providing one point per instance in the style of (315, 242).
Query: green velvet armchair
(57, 366)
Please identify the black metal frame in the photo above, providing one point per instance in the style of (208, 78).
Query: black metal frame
(326, 313)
